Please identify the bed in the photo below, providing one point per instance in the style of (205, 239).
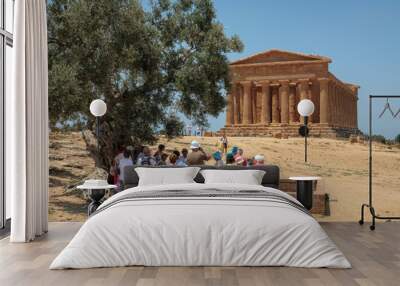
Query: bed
(197, 224)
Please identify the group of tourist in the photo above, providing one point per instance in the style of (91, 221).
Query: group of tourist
(143, 156)
(235, 156)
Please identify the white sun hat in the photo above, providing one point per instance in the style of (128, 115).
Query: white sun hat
(259, 157)
(194, 145)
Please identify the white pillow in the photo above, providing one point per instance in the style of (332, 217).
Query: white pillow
(166, 176)
(248, 177)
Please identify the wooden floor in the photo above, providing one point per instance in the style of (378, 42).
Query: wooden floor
(375, 257)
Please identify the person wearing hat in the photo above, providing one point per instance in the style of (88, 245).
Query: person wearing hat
(158, 154)
(229, 159)
(258, 160)
(240, 160)
(218, 159)
(197, 156)
(182, 158)
(234, 150)
(146, 159)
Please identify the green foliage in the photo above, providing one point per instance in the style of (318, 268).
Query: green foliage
(173, 127)
(147, 64)
(397, 139)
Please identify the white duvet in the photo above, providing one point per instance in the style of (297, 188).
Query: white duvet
(200, 231)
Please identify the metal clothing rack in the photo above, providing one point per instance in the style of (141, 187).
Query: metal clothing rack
(370, 202)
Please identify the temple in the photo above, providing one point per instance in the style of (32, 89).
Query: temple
(266, 88)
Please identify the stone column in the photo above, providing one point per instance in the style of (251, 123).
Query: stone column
(254, 104)
(337, 105)
(265, 103)
(323, 101)
(303, 92)
(342, 113)
(348, 98)
(275, 105)
(310, 97)
(352, 110)
(355, 109)
(351, 103)
(341, 105)
(331, 104)
(284, 95)
(247, 116)
(347, 105)
(241, 104)
(292, 104)
(236, 105)
(344, 107)
(229, 109)
(303, 88)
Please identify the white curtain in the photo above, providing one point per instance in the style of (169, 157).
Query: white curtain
(27, 124)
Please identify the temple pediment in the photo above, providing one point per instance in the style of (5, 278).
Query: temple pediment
(279, 56)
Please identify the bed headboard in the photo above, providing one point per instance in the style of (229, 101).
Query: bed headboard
(270, 179)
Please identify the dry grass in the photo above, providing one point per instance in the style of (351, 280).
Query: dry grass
(69, 164)
(342, 165)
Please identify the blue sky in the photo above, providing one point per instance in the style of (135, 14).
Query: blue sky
(361, 37)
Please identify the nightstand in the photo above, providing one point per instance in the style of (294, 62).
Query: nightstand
(304, 191)
(96, 190)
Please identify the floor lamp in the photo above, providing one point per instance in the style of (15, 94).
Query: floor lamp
(305, 109)
(98, 108)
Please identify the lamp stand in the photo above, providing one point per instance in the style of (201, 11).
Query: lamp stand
(98, 138)
(305, 138)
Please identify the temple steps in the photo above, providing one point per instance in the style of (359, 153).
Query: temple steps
(285, 131)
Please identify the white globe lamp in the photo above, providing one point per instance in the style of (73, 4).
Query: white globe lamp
(98, 107)
(305, 108)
